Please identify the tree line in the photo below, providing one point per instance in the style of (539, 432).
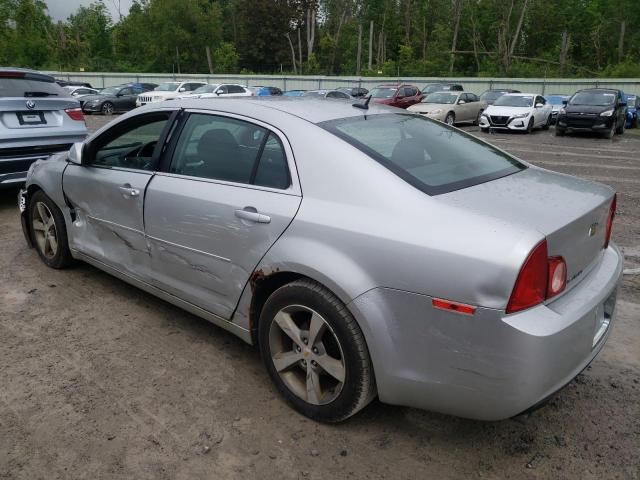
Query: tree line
(517, 38)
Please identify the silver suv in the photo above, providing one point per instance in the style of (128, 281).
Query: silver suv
(37, 119)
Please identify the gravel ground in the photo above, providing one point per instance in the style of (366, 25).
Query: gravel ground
(100, 380)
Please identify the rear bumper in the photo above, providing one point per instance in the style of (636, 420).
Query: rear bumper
(490, 365)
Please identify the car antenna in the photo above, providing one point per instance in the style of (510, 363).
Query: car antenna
(363, 106)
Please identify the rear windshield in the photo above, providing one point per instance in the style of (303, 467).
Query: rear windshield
(427, 154)
(22, 87)
(595, 99)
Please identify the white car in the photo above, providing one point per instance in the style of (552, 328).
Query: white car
(517, 111)
(220, 90)
(168, 91)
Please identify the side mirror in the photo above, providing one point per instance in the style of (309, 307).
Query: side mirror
(461, 102)
(75, 153)
(565, 102)
(182, 89)
(218, 92)
(539, 105)
(623, 104)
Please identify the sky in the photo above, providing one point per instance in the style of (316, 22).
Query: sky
(61, 9)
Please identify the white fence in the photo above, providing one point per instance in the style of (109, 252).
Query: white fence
(472, 84)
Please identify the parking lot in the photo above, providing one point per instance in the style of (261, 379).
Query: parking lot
(101, 380)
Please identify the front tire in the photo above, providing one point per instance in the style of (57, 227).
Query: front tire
(450, 119)
(620, 130)
(48, 231)
(107, 108)
(611, 132)
(530, 125)
(560, 132)
(315, 352)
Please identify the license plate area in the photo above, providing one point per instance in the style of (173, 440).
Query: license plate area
(31, 118)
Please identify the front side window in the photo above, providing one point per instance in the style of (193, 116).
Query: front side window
(130, 145)
(227, 149)
(430, 156)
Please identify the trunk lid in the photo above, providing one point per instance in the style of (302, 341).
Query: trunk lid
(42, 112)
(570, 212)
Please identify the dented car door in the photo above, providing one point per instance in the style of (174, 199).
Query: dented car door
(226, 197)
(106, 193)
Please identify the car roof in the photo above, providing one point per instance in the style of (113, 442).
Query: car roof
(610, 90)
(523, 94)
(313, 110)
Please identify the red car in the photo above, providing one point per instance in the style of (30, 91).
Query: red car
(402, 96)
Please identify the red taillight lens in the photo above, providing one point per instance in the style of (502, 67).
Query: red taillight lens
(557, 276)
(453, 306)
(531, 284)
(612, 214)
(75, 114)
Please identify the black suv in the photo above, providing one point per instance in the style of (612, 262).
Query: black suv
(601, 110)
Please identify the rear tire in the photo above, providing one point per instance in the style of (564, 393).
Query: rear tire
(477, 120)
(484, 129)
(303, 307)
(49, 231)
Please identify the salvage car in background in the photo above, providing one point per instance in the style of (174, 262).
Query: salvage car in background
(219, 90)
(490, 96)
(355, 92)
(450, 107)
(327, 94)
(120, 98)
(401, 96)
(600, 110)
(441, 87)
(262, 91)
(499, 295)
(37, 119)
(633, 103)
(168, 91)
(517, 112)
(557, 102)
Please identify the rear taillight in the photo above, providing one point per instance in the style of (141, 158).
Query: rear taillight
(541, 277)
(75, 114)
(612, 214)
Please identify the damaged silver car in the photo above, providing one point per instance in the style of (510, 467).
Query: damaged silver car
(367, 251)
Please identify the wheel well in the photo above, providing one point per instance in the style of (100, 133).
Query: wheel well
(262, 287)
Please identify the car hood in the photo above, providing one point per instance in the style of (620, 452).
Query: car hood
(430, 107)
(506, 111)
(560, 207)
(587, 108)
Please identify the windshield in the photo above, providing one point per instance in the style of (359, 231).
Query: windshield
(167, 87)
(555, 99)
(205, 89)
(594, 99)
(383, 92)
(110, 91)
(441, 97)
(427, 154)
(513, 101)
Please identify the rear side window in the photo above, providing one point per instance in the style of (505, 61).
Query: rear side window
(222, 148)
(235, 89)
(23, 87)
(427, 154)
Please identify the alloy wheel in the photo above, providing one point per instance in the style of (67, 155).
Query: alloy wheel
(107, 108)
(449, 119)
(307, 354)
(44, 230)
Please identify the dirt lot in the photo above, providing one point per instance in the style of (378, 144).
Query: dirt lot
(100, 380)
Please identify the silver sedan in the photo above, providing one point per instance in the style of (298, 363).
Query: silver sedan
(367, 251)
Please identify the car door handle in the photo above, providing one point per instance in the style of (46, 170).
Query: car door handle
(128, 191)
(251, 214)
